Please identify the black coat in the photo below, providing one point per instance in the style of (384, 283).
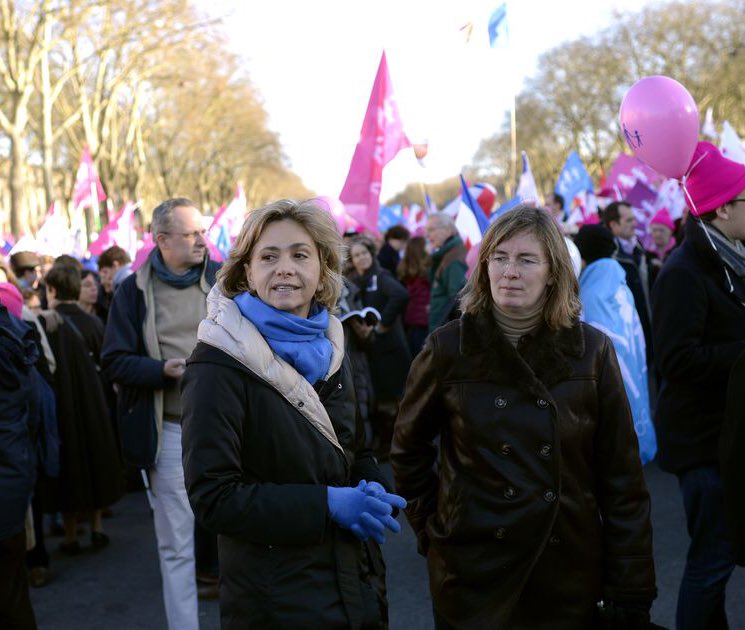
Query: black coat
(18, 354)
(389, 259)
(699, 331)
(90, 467)
(389, 353)
(538, 507)
(731, 448)
(256, 472)
(356, 349)
(137, 375)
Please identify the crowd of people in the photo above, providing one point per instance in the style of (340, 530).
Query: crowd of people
(514, 397)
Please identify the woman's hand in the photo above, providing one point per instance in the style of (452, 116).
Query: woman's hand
(380, 328)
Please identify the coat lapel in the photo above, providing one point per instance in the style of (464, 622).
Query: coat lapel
(542, 361)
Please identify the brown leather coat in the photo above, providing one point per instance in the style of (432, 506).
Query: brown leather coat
(538, 507)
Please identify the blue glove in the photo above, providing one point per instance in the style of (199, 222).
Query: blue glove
(374, 489)
(352, 509)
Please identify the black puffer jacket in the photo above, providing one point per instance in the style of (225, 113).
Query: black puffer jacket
(257, 460)
(538, 508)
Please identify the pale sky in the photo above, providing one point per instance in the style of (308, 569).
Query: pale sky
(314, 62)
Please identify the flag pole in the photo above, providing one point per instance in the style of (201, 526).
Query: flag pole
(513, 135)
(513, 116)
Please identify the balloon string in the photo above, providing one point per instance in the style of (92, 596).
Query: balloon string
(697, 219)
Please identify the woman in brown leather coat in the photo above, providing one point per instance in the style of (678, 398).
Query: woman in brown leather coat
(536, 510)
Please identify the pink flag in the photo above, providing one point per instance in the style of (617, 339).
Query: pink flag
(625, 172)
(119, 231)
(88, 189)
(381, 138)
(231, 216)
(145, 248)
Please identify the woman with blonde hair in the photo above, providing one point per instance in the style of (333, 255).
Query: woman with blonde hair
(537, 509)
(271, 444)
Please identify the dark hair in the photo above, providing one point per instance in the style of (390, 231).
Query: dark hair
(163, 214)
(69, 262)
(559, 199)
(87, 272)
(415, 261)
(612, 212)
(595, 242)
(65, 281)
(113, 254)
(399, 232)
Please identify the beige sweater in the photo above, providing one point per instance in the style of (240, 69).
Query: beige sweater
(177, 316)
(516, 326)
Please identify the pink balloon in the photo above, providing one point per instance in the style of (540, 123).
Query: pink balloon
(659, 121)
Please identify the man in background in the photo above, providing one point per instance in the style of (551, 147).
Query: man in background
(448, 271)
(151, 331)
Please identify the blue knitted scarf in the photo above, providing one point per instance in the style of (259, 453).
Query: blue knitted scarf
(166, 275)
(299, 341)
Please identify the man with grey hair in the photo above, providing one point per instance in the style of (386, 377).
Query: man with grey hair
(151, 330)
(447, 275)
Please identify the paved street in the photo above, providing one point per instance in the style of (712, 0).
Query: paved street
(119, 588)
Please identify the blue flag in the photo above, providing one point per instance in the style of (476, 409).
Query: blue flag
(497, 18)
(573, 180)
(390, 216)
(608, 305)
(223, 241)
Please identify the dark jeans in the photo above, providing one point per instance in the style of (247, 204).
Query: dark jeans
(38, 556)
(15, 604)
(710, 561)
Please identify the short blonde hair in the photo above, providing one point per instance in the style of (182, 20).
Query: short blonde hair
(562, 301)
(311, 217)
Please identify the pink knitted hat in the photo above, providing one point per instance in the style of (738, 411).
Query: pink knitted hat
(713, 180)
(663, 218)
(11, 298)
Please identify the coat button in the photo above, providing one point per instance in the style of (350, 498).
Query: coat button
(554, 540)
(301, 404)
(545, 450)
(500, 402)
(510, 492)
(505, 448)
(338, 386)
(500, 533)
(542, 403)
(549, 496)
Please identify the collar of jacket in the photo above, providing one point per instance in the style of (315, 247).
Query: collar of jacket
(452, 241)
(540, 360)
(362, 281)
(225, 328)
(144, 277)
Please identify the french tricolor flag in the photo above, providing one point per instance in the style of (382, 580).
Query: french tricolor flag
(470, 220)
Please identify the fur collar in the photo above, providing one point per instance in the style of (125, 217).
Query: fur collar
(542, 361)
(225, 328)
